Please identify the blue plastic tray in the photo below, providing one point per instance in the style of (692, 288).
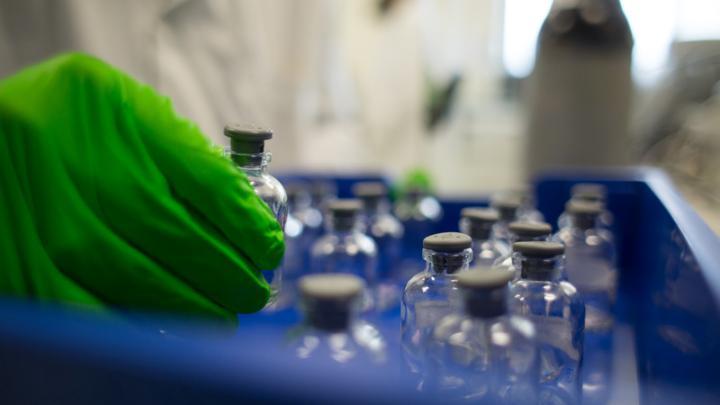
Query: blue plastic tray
(666, 346)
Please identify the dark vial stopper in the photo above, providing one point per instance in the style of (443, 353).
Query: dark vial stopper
(448, 248)
(328, 299)
(507, 206)
(371, 193)
(584, 213)
(485, 291)
(344, 213)
(539, 258)
(529, 230)
(247, 139)
(447, 242)
(589, 192)
(479, 221)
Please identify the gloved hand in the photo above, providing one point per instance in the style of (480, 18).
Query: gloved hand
(109, 199)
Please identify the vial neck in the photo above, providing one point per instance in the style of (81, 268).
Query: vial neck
(447, 263)
(480, 233)
(525, 238)
(507, 214)
(251, 162)
(539, 269)
(330, 316)
(583, 222)
(486, 304)
(341, 224)
(375, 207)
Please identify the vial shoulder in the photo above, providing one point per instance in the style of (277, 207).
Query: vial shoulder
(426, 283)
(386, 225)
(266, 185)
(353, 242)
(523, 326)
(364, 242)
(570, 292)
(501, 332)
(417, 282)
(548, 291)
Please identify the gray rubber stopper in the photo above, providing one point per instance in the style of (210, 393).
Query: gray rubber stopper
(347, 207)
(583, 207)
(507, 206)
(247, 138)
(480, 215)
(539, 249)
(331, 287)
(447, 242)
(589, 191)
(530, 229)
(484, 278)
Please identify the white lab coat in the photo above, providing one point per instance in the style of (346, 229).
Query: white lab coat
(342, 87)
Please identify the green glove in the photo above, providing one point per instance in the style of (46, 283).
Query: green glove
(109, 199)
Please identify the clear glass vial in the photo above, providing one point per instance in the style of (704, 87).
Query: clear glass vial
(331, 328)
(523, 231)
(590, 262)
(419, 212)
(478, 224)
(297, 243)
(320, 193)
(483, 352)
(431, 294)
(344, 248)
(527, 211)
(555, 308)
(387, 232)
(247, 151)
(589, 192)
(508, 207)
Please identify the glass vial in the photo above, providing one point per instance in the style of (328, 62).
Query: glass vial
(331, 328)
(478, 224)
(344, 248)
(483, 352)
(419, 212)
(247, 151)
(521, 231)
(431, 294)
(590, 262)
(557, 311)
(387, 232)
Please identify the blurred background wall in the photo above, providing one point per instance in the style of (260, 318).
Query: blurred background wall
(382, 85)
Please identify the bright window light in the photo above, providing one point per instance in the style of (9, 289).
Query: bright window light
(523, 19)
(654, 24)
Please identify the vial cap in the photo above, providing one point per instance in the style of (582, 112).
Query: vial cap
(369, 189)
(344, 207)
(507, 206)
(480, 215)
(583, 207)
(539, 249)
(530, 229)
(589, 191)
(335, 287)
(484, 278)
(247, 133)
(449, 242)
(245, 139)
